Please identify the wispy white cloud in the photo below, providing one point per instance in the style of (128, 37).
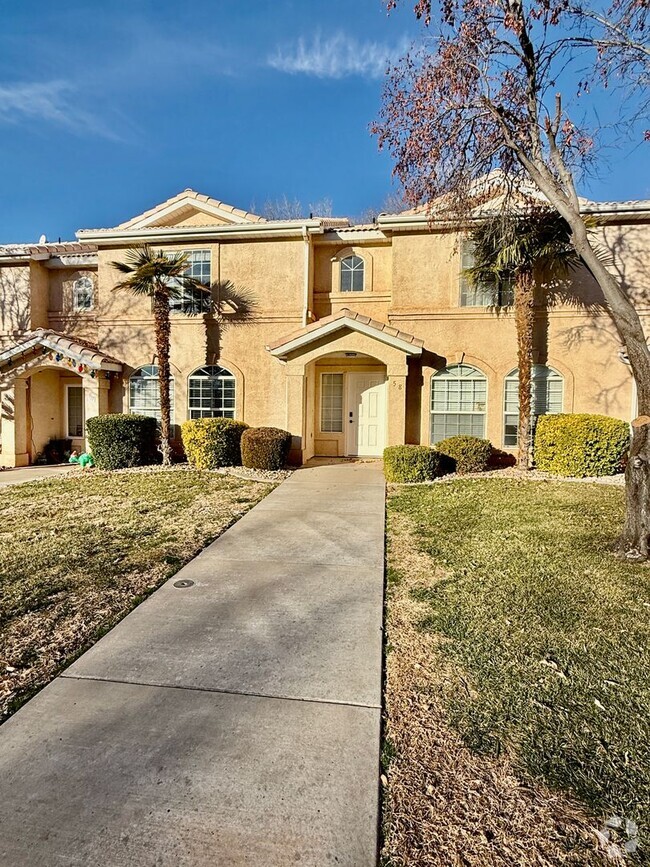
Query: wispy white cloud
(336, 56)
(54, 102)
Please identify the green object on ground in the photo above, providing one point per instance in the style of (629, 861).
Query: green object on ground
(84, 460)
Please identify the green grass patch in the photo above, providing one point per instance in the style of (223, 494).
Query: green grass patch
(78, 553)
(547, 632)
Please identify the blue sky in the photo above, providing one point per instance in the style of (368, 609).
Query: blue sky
(108, 108)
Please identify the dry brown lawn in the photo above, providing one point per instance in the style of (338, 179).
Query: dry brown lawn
(78, 553)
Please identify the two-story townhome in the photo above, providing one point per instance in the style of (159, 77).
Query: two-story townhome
(361, 336)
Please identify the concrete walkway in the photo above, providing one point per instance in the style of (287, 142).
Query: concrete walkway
(234, 721)
(20, 475)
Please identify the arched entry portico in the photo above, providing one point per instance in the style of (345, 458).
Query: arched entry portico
(372, 361)
(49, 386)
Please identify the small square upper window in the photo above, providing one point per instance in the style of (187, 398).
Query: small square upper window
(194, 300)
(82, 294)
(493, 293)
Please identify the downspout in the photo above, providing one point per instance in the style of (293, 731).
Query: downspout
(306, 235)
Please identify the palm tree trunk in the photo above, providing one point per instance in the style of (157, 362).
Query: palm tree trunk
(162, 327)
(525, 324)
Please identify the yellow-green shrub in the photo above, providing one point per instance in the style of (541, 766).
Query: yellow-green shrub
(580, 444)
(213, 442)
(411, 464)
(467, 454)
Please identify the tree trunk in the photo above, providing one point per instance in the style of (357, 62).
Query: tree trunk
(162, 326)
(525, 323)
(634, 539)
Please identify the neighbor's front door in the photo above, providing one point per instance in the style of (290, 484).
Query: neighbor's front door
(366, 422)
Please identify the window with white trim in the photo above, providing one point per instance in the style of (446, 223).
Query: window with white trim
(458, 402)
(75, 410)
(211, 393)
(83, 294)
(144, 392)
(547, 398)
(331, 402)
(352, 274)
(194, 300)
(495, 293)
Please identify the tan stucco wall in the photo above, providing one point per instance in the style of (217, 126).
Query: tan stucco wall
(413, 283)
(15, 313)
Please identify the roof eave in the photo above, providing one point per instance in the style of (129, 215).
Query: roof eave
(189, 233)
(283, 351)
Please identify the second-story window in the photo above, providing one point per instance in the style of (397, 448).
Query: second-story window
(493, 293)
(82, 294)
(352, 274)
(194, 300)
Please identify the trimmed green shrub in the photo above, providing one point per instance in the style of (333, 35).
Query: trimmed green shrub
(466, 454)
(580, 444)
(120, 440)
(265, 448)
(213, 442)
(411, 464)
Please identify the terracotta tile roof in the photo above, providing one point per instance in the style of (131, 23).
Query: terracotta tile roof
(347, 313)
(199, 198)
(84, 352)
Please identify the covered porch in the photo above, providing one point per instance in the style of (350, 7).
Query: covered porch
(346, 386)
(50, 385)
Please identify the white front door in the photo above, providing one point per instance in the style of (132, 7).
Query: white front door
(366, 422)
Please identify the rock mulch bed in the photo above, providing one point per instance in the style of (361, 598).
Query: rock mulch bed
(515, 474)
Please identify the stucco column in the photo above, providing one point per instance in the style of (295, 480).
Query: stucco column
(95, 397)
(396, 404)
(296, 394)
(14, 425)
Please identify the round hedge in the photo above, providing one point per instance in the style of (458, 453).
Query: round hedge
(466, 454)
(265, 448)
(213, 442)
(411, 464)
(120, 440)
(580, 444)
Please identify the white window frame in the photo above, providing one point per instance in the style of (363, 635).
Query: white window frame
(187, 302)
(444, 376)
(332, 428)
(87, 290)
(511, 410)
(152, 411)
(359, 266)
(66, 408)
(202, 411)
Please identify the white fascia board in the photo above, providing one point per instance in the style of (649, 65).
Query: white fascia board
(21, 349)
(353, 325)
(52, 345)
(189, 233)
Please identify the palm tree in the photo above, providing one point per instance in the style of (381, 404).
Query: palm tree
(161, 276)
(511, 250)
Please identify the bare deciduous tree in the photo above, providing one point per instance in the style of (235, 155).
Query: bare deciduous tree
(484, 93)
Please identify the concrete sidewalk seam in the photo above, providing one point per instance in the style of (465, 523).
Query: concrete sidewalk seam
(158, 685)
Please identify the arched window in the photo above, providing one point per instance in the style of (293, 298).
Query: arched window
(547, 397)
(352, 274)
(212, 393)
(458, 402)
(144, 392)
(82, 294)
